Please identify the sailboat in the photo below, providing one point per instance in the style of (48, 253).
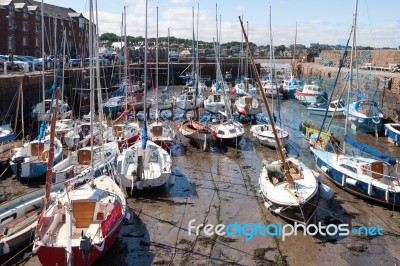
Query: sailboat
(264, 133)
(288, 188)
(191, 99)
(226, 130)
(160, 132)
(85, 221)
(144, 164)
(374, 178)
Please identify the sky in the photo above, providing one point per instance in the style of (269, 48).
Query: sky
(318, 21)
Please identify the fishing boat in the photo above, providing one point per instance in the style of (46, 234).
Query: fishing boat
(392, 130)
(31, 160)
(308, 94)
(288, 188)
(264, 134)
(291, 85)
(335, 108)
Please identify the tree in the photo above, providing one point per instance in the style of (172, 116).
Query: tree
(111, 37)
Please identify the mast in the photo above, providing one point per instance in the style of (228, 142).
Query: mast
(351, 72)
(91, 77)
(126, 63)
(63, 68)
(247, 63)
(278, 143)
(145, 68)
(168, 59)
(294, 72)
(157, 70)
(43, 59)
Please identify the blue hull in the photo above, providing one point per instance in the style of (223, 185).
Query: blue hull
(36, 169)
(367, 124)
(112, 110)
(360, 188)
(391, 134)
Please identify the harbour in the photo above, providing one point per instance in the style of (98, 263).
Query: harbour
(221, 186)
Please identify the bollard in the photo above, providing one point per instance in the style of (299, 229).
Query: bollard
(26, 67)
(33, 66)
(5, 67)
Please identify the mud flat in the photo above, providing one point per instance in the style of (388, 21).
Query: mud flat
(221, 186)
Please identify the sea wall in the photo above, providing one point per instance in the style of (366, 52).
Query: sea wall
(378, 58)
(382, 86)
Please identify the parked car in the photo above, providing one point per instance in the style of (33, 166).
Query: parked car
(38, 63)
(17, 63)
(24, 59)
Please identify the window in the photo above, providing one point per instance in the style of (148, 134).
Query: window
(81, 23)
(10, 43)
(37, 15)
(70, 24)
(24, 41)
(25, 13)
(10, 11)
(69, 33)
(37, 42)
(25, 26)
(62, 23)
(10, 24)
(37, 27)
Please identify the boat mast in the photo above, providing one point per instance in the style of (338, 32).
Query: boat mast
(278, 143)
(145, 69)
(351, 72)
(294, 72)
(157, 70)
(247, 62)
(43, 59)
(91, 78)
(168, 60)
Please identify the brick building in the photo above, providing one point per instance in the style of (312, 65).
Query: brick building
(21, 30)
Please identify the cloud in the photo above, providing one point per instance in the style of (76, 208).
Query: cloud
(179, 1)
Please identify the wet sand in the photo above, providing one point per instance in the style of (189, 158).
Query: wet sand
(221, 186)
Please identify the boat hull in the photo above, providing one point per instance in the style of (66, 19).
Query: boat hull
(392, 131)
(359, 188)
(50, 255)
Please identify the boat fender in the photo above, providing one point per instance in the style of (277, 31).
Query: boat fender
(325, 169)
(351, 181)
(278, 210)
(369, 188)
(6, 248)
(325, 192)
(317, 176)
(387, 194)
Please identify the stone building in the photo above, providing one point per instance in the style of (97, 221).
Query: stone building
(21, 29)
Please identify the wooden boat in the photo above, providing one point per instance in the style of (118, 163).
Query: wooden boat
(288, 188)
(392, 130)
(195, 131)
(308, 128)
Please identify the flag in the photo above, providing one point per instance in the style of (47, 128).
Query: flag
(144, 135)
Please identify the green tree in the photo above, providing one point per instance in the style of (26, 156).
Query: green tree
(111, 37)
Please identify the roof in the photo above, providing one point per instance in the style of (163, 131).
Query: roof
(19, 5)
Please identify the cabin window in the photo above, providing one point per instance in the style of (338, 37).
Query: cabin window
(8, 219)
(220, 132)
(348, 167)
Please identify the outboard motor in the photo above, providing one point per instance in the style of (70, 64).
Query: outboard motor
(84, 247)
(18, 161)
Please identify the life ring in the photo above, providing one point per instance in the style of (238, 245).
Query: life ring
(376, 120)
